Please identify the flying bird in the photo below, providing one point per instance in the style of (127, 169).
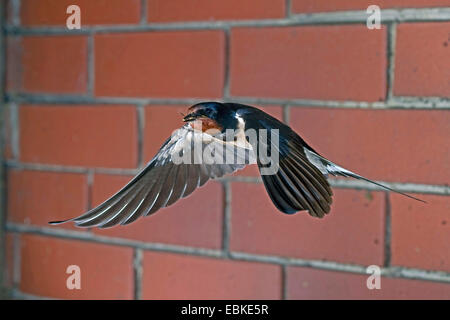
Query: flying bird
(293, 173)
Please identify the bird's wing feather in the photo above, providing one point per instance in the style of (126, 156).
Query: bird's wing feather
(179, 167)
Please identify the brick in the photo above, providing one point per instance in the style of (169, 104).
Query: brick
(97, 136)
(312, 6)
(53, 12)
(9, 12)
(8, 131)
(305, 283)
(422, 66)
(420, 232)
(161, 64)
(198, 10)
(106, 271)
(171, 276)
(389, 145)
(35, 197)
(194, 221)
(353, 232)
(9, 254)
(54, 64)
(346, 62)
(13, 77)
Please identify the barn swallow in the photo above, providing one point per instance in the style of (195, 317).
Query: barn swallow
(298, 184)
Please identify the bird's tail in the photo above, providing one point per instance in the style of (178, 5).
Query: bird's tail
(328, 167)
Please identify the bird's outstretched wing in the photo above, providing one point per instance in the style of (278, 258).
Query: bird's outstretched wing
(300, 182)
(297, 184)
(175, 172)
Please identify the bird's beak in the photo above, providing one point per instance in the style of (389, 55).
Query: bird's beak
(189, 117)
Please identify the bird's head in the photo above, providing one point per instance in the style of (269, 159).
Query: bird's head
(211, 115)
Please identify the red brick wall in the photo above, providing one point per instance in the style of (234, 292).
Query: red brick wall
(86, 108)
